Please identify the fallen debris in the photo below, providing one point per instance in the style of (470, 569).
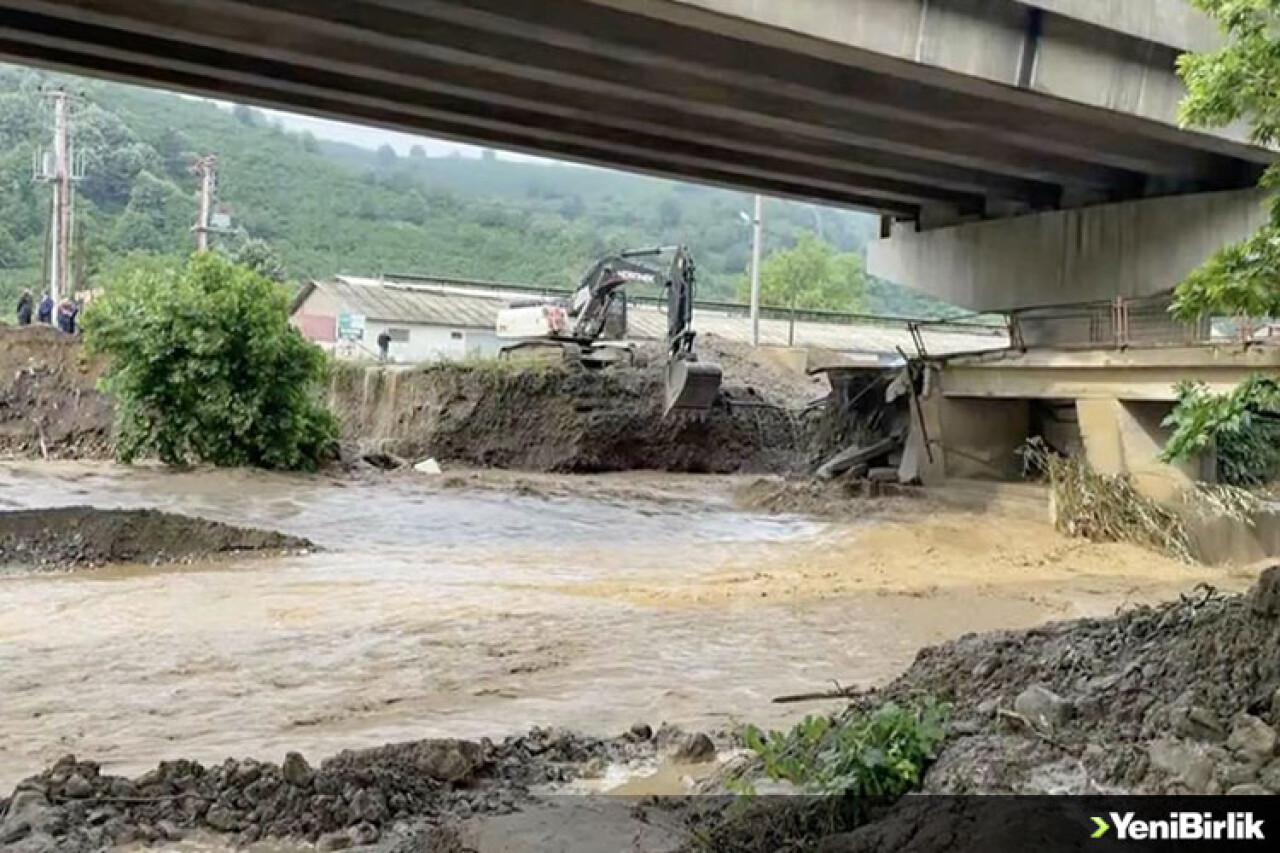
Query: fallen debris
(351, 799)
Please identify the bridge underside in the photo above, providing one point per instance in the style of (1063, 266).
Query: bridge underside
(655, 87)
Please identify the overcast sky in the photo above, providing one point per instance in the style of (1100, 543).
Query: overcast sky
(373, 137)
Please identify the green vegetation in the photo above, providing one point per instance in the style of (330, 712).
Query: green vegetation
(325, 208)
(811, 274)
(1242, 427)
(863, 754)
(847, 765)
(1237, 82)
(204, 367)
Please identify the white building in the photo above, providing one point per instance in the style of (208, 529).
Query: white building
(432, 320)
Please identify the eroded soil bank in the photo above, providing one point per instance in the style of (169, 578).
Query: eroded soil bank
(568, 420)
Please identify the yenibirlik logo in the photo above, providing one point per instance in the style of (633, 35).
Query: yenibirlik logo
(1182, 826)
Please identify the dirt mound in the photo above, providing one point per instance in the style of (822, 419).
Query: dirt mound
(554, 419)
(1170, 699)
(64, 537)
(351, 798)
(49, 402)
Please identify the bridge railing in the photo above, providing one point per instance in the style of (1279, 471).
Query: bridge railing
(1119, 323)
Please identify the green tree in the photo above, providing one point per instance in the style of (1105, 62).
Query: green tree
(259, 256)
(811, 274)
(205, 367)
(1238, 82)
(386, 156)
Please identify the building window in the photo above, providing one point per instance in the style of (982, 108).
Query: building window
(457, 336)
(399, 336)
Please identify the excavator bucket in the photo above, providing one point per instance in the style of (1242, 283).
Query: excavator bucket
(691, 386)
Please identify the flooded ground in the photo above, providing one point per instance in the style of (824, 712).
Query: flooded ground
(483, 605)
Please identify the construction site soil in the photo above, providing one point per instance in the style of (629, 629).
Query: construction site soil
(1179, 698)
(572, 420)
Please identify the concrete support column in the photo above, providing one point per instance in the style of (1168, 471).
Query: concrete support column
(1122, 437)
(1139, 248)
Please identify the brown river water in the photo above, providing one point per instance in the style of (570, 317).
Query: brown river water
(485, 605)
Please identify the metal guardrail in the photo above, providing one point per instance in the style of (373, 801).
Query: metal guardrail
(1120, 323)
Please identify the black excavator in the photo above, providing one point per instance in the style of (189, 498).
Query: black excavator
(577, 328)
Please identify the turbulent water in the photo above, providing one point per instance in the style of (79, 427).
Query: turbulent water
(471, 610)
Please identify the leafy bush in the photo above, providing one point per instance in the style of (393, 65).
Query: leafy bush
(205, 367)
(877, 754)
(1242, 427)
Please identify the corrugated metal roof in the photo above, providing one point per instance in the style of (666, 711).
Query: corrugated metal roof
(459, 307)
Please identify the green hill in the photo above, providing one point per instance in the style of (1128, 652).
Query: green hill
(329, 207)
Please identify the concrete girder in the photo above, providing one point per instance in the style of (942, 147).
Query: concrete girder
(707, 105)
(1039, 123)
(765, 23)
(380, 112)
(680, 87)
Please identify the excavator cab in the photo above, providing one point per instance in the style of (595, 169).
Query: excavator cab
(691, 386)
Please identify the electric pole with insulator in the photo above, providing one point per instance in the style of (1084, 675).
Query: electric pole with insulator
(207, 168)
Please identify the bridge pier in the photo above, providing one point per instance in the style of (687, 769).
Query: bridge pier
(1130, 249)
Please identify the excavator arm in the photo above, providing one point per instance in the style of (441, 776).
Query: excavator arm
(594, 298)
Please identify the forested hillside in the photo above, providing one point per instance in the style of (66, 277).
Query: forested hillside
(328, 207)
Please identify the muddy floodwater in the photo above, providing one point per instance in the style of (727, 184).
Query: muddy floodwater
(480, 607)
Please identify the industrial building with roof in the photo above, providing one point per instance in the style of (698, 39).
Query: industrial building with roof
(435, 319)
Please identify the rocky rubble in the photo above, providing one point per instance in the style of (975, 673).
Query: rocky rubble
(351, 799)
(1181, 698)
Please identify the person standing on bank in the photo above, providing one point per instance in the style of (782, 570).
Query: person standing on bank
(25, 307)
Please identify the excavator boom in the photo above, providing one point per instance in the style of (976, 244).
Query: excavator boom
(691, 386)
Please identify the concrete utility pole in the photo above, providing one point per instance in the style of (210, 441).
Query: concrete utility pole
(56, 167)
(207, 168)
(757, 235)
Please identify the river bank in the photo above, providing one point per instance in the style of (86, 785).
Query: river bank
(481, 604)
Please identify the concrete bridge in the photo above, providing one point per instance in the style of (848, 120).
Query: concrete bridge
(950, 117)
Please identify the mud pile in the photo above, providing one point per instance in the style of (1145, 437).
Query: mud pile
(352, 798)
(66, 537)
(49, 402)
(1181, 698)
(555, 419)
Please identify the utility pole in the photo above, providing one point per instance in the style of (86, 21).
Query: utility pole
(57, 167)
(757, 235)
(207, 168)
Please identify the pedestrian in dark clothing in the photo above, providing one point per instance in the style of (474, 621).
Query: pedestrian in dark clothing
(384, 344)
(66, 317)
(44, 313)
(25, 304)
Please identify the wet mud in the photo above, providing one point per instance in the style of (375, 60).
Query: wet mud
(85, 537)
(50, 406)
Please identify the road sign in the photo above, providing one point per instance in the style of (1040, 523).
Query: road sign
(350, 327)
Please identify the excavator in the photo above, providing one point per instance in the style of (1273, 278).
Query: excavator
(575, 330)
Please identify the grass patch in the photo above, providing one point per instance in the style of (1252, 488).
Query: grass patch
(844, 766)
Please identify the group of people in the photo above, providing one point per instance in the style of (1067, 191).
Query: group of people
(66, 314)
